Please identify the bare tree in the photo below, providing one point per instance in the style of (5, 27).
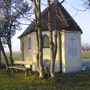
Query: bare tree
(37, 57)
(0, 52)
(53, 45)
(86, 4)
(6, 59)
(37, 9)
(11, 10)
(85, 47)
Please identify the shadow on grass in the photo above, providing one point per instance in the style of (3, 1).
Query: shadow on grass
(68, 81)
(2, 66)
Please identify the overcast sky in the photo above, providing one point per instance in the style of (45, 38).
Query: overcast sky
(81, 17)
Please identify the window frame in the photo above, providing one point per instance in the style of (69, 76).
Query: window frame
(29, 43)
(45, 35)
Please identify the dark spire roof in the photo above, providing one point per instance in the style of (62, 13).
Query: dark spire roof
(65, 21)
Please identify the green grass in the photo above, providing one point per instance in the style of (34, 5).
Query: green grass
(71, 81)
(2, 66)
(85, 54)
(16, 55)
(17, 81)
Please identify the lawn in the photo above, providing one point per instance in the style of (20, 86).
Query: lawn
(70, 81)
(17, 55)
(85, 54)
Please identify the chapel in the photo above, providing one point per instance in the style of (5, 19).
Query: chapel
(68, 58)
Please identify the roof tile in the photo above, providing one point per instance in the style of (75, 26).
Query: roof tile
(65, 21)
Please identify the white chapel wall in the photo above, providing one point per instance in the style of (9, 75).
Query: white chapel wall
(27, 52)
(69, 64)
(71, 46)
(46, 52)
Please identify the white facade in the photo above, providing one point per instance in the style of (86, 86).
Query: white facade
(70, 49)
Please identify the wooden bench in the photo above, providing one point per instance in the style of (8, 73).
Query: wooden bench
(20, 65)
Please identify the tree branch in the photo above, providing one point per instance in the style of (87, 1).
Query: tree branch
(35, 5)
(62, 1)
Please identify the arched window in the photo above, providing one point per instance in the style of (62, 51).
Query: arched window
(45, 41)
(29, 43)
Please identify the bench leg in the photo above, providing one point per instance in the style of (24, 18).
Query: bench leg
(12, 70)
(26, 72)
(16, 70)
(31, 71)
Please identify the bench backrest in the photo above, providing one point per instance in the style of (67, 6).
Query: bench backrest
(23, 62)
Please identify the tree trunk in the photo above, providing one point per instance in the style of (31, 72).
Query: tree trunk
(10, 23)
(0, 56)
(6, 59)
(10, 51)
(52, 66)
(53, 45)
(37, 56)
(0, 52)
(56, 25)
(39, 34)
(41, 67)
(37, 51)
(55, 49)
(60, 51)
(59, 36)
